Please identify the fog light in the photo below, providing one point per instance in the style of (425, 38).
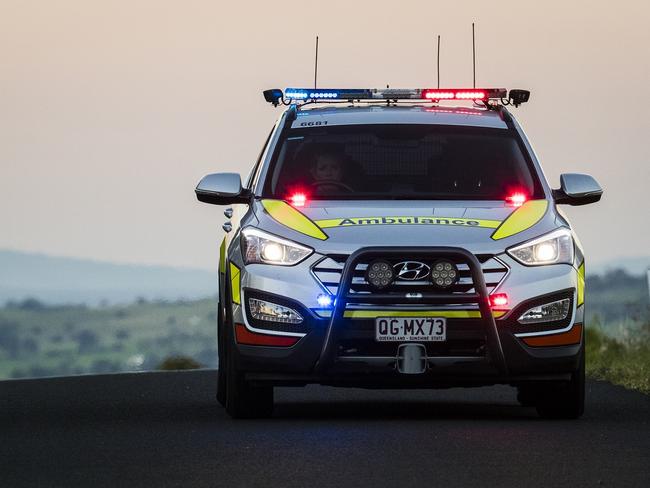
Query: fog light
(549, 312)
(272, 312)
(380, 274)
(444, 274)
(324, 301)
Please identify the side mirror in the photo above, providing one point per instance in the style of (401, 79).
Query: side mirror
(221, 189)
(577, 189)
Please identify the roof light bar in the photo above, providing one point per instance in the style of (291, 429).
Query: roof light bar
(432, 94)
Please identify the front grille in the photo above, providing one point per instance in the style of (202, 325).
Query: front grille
(328, 271)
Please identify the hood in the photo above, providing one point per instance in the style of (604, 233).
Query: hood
(344, 226)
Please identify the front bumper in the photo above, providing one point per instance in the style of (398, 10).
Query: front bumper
(481, 349)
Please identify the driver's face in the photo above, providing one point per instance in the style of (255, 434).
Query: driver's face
(327, 168)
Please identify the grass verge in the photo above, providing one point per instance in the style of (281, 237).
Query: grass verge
(623, 362)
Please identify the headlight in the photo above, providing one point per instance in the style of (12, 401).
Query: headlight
(553, 248)
(260, 247)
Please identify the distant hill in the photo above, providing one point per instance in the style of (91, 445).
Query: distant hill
(59, 280)
(617, 297)
(637, 265)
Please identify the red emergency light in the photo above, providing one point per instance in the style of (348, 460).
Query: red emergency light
(499, 300)
(455, 94)
(516, 199)
(298, 199)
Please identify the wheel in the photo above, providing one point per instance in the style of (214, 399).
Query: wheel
(566, 400)
(221, 371)
(244, 400)
(527, 395)
(241, 399)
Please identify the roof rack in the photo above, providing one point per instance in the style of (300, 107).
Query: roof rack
(322, 95)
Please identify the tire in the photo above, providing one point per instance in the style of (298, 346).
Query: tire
(221, 350)
(243, 400)
(527, 395)
(565, 400)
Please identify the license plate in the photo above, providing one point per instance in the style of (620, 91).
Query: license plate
(410, 329)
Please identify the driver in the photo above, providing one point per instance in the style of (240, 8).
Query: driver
(327, 173)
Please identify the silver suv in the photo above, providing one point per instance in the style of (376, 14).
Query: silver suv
(399, 239)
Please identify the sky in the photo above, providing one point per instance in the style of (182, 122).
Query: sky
(111, 111)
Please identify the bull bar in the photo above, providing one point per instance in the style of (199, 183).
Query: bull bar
(479, 297)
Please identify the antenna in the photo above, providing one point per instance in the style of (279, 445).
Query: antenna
(473, 56)
(316, 66)
(438, 61)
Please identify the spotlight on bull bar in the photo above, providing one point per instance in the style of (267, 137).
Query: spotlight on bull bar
(380, 274)
(444, 273)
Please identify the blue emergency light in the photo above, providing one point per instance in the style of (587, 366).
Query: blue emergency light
(326, 94)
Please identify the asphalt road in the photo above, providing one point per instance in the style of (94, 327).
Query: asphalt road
(165, 429)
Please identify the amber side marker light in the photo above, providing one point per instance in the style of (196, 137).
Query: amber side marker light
(568, 338)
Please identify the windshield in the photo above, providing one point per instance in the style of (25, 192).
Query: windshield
(401, 162)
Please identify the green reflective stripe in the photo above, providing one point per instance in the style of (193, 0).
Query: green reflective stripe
(234, 283)
(521, 219)
(292, 218)
(452, 314)
(581, 284)
(407, 220)
(222, 256)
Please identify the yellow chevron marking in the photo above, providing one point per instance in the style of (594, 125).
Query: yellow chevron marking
(521, 219)
(287, 215)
